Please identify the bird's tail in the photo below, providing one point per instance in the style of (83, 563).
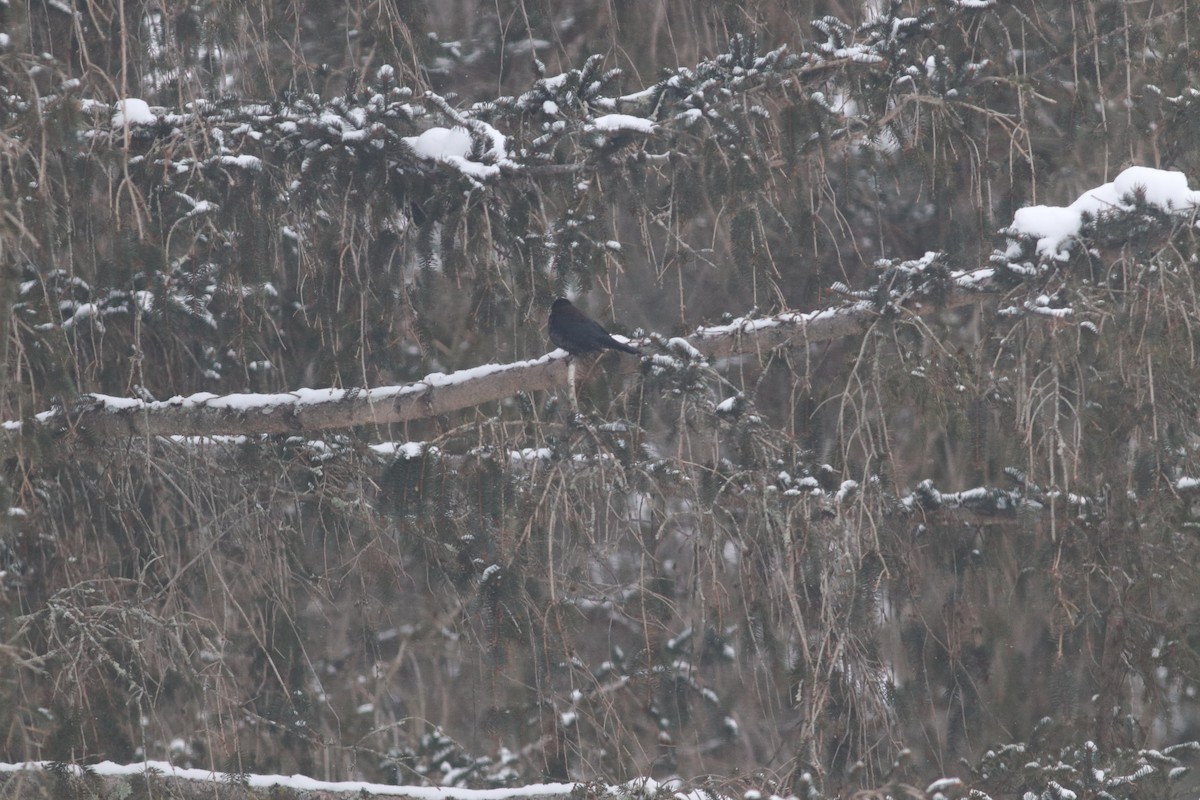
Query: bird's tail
(624, 348)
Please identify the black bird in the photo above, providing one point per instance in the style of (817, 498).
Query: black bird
(577, 333)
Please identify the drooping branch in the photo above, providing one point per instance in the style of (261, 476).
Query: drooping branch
(311, 410)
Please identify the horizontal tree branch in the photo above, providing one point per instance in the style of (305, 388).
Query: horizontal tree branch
(310, 410)
(47, 778)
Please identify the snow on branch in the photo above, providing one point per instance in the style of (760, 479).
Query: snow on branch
(1133, 203)
(420, 132)
(164, 770)
(421, 136)
(910, 288)
(1139, 196)
(309, 410)
(305, 410)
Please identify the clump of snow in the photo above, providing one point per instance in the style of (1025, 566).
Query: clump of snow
(944, 785)
(685, 348)
(622, 122)
(531, 454)
(1055, 226)
(410, 450)
(242, 161)
(453, 146)
(404, 450)
(84, 311)
(132, 111)
(441, 143)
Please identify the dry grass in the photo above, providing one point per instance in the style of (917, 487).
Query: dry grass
(659, 589)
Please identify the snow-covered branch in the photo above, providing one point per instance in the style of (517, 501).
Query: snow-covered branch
(309, 410)
(205, 780)
(306, 410)
(1039, 239)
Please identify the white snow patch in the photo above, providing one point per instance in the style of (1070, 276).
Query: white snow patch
(132, 111)
(441, 143)
(453, 145)
(944, 785)
(685, 348)
(83, 312)
(531, 454)
(622, 122)
(242, 161)
(406, 450)
(1055, 226)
